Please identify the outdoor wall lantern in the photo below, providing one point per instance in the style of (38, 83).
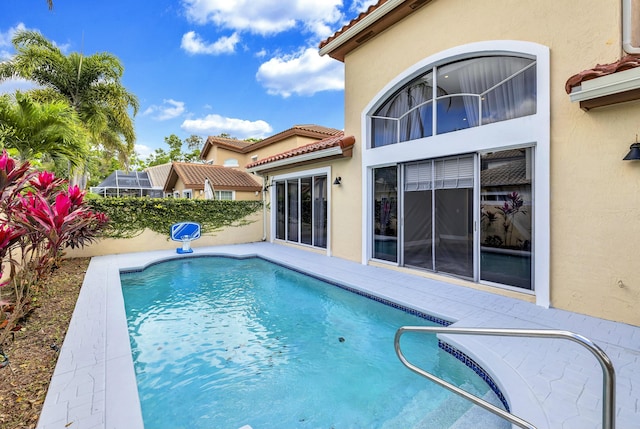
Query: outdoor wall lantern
(338, 180)
(634, 152)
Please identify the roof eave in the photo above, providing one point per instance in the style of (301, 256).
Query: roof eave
(325, 154)
(606, 90)
(381, 17)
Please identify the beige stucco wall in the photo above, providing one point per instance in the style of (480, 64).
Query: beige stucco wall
(149, 240)
(343, 199)
(284, 145)
(220, 154)
(595, 196)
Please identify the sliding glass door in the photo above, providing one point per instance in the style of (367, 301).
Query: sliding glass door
(441, 202)
(438, 215)
(506, 227)
(301, 210)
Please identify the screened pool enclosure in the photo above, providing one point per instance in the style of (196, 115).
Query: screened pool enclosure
(128, 184)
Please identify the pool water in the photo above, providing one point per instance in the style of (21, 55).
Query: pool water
(222, 343)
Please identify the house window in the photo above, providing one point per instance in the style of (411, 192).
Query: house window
(231, 162)
(224, 195)
(466, 93)
(457, 166)
(187, 193)
(301, 210)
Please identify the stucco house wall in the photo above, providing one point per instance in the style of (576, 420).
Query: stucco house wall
(594, 199)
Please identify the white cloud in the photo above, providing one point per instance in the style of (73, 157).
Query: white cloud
(168, 110)
(143, 151)
(5, 38)
(304, 74)
(5, 41)
(193, 44)
(215, 124)
(361, 5)
(12, 85)
(266, 17)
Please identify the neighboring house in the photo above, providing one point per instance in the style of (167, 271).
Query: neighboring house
(238, 153)
(158, 175)
(465, 160)
(128, 184)
(187, 180)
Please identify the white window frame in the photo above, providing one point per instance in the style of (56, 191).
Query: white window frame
(187, 193)
(532, 130)
(217, 194)
(324, 171)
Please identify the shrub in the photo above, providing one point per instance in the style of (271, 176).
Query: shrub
(38, 219)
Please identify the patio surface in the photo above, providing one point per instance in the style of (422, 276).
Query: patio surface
(551, 383)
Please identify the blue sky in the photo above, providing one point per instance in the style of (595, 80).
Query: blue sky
(248, 68)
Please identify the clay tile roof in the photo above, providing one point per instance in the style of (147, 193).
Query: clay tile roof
(233, 144)
(351, 23)
(193, 176)
(511, 173)
(338, 140)
(625, 63)
(310, 130)
(242, 146)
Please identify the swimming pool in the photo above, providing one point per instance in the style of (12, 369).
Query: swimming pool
(222, 342)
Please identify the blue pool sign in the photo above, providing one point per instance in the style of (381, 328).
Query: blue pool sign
(185, 232)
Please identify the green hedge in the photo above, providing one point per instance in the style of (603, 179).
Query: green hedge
(129, 217)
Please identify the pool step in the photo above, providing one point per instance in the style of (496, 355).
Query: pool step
(481, 418)
(470, 416)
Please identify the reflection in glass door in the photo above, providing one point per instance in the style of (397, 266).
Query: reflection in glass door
(385, 227)
(506, 214)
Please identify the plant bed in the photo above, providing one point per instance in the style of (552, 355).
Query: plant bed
(33, 350)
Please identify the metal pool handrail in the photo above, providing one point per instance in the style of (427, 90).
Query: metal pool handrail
(608, 372)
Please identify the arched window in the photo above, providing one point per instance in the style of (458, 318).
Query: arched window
(457, 166)
(467, 93)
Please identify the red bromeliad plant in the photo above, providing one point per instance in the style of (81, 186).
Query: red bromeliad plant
(38, 219)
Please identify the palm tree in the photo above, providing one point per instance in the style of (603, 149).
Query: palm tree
(92, 85)
(39, 130)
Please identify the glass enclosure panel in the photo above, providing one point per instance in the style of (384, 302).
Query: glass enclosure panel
(385, 223)
(454, 231)
(292, 210)
(506, 215)
(280, 211)
(306, 211)
(320, 211)
(418, 230)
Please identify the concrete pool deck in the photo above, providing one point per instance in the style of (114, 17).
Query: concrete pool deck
(550, 383)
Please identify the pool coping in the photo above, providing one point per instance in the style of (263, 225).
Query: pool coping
(94, 386)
